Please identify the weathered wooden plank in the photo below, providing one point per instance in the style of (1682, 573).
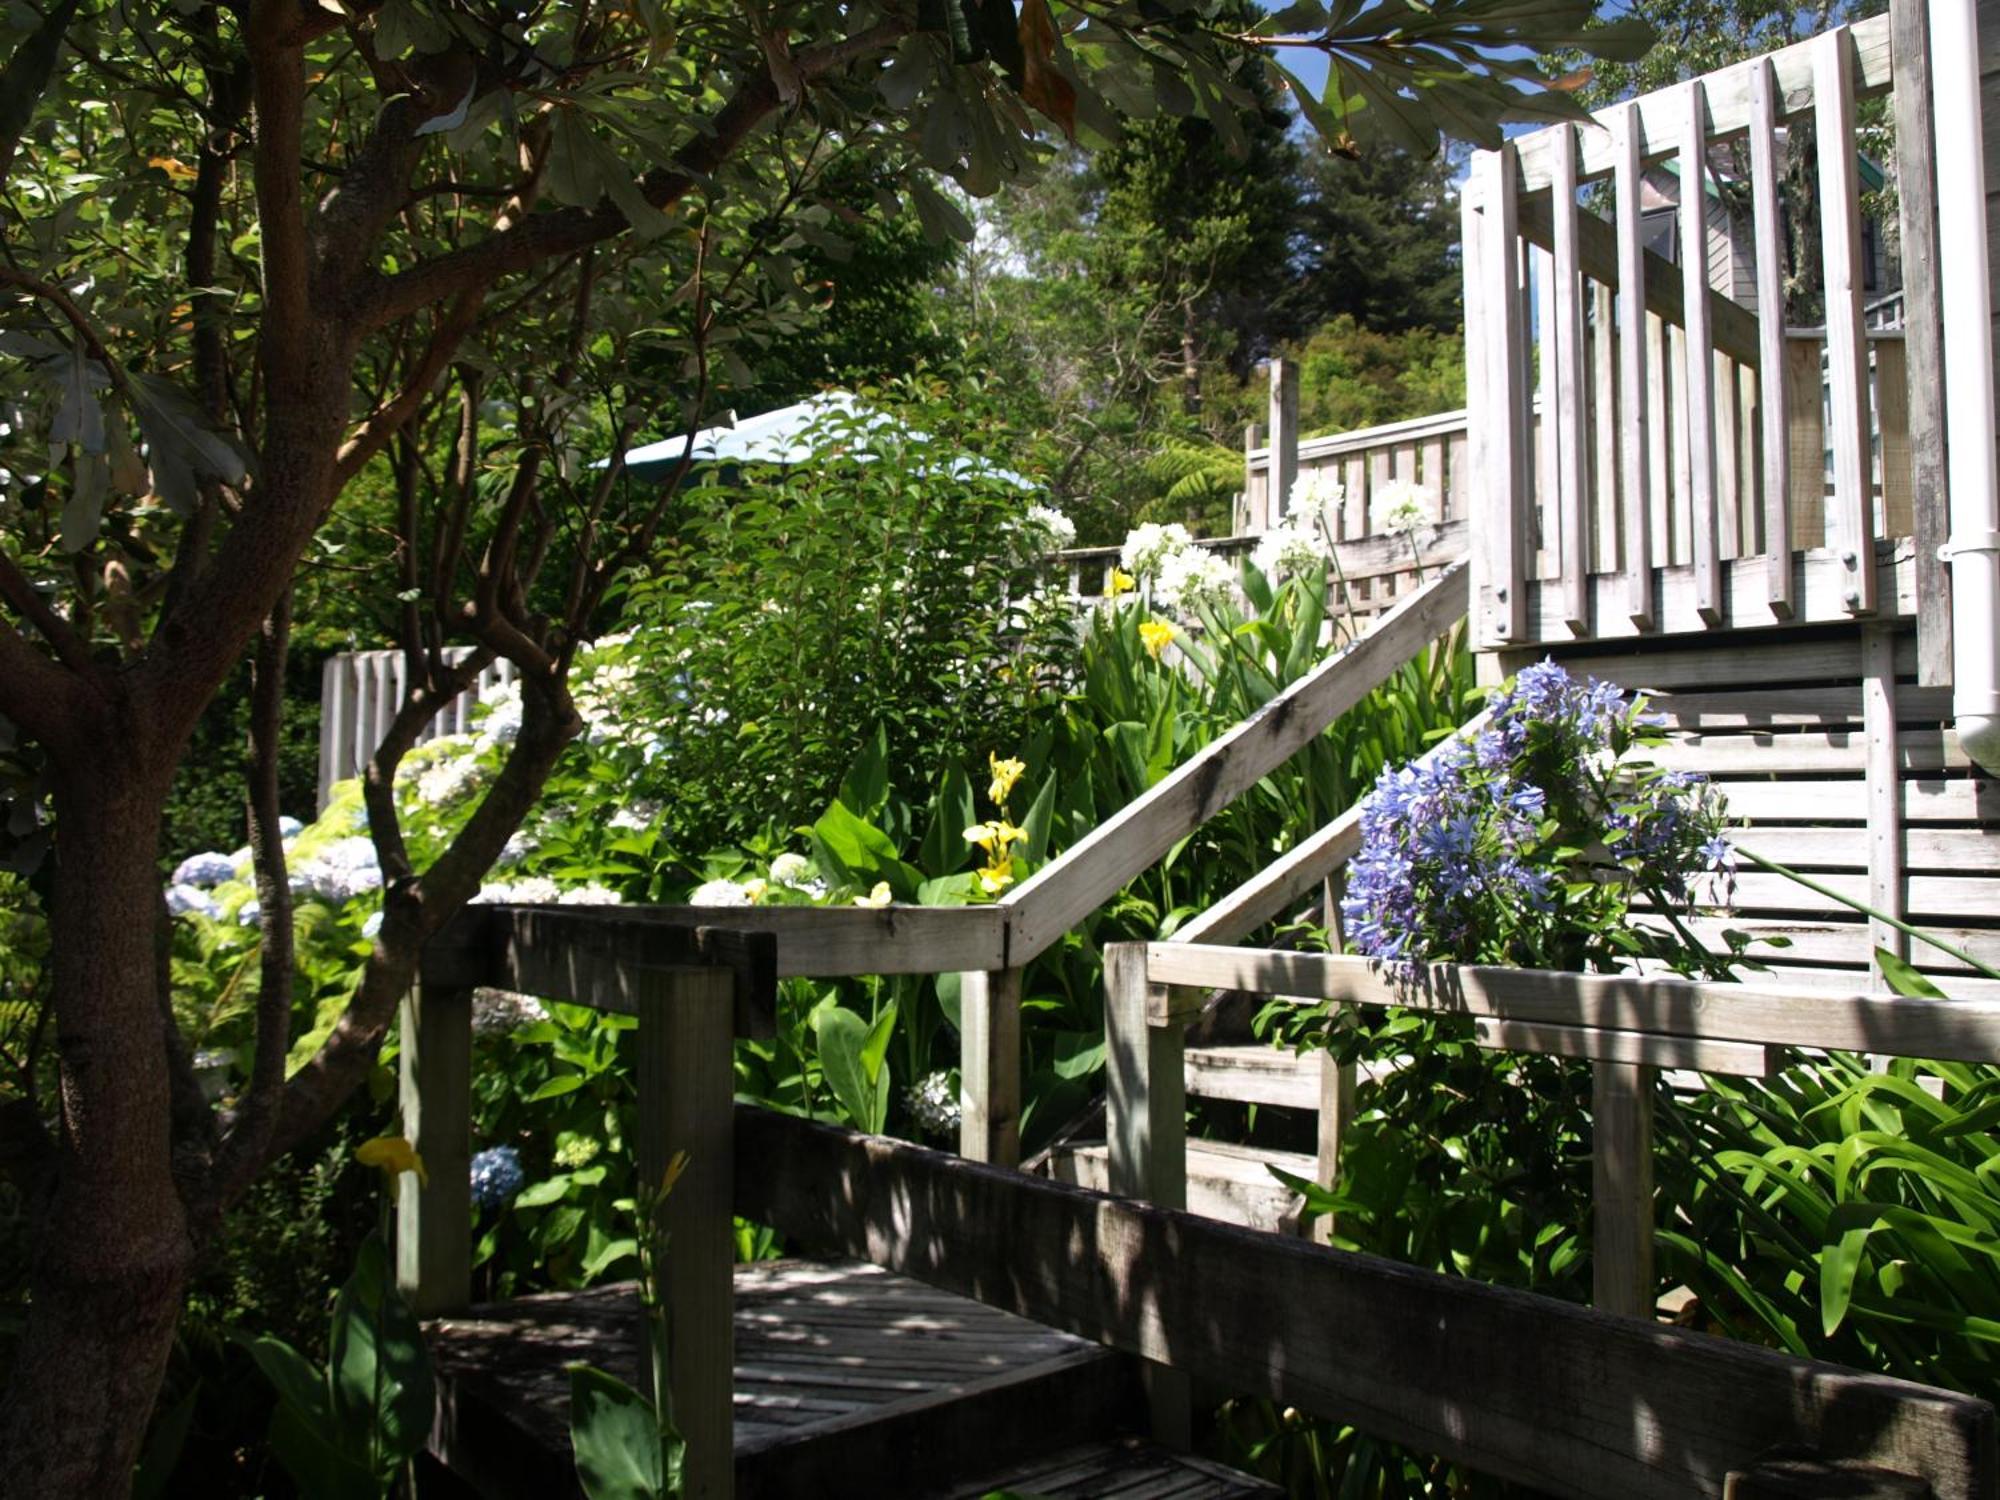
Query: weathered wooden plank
(1925, 850)
(1504, 526)
(434, 1212)
(1282, 471)
(1659, 118)
(1892, 421)
(989, 1075)
(1846, 338)
(1796, 751)
(1817, 940)
(1923, 334)
(1639, 1048)
(1811, 1479)
(1566, 1399)
(1782, 663)
(1886, 876)
(686, 1079)
(1698, 353)
(1621, 1189)
(1604, 429)
(1052, 900)
(1892, 1024)
(1805, 413)
(1226, 1181)
(1773, 390)
(1960, 800)
(1255, 1073)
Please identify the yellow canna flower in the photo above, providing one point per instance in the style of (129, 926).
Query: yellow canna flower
(1005, 833)
(997, 876)
(673, 1173)
(392, 1155)
(1005, 774)
(1157, 635)
(1120, 582)
(985, 835)
(877, 897)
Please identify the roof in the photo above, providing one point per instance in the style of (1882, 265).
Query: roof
(791, 435)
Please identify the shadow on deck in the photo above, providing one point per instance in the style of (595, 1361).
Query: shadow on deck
(850, 1380)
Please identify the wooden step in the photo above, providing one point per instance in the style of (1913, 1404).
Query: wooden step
(850, 1381)
(1127, 1468)
(1225, 1181)
(1258, 1073)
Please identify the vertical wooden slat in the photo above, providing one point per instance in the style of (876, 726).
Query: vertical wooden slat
(1622, 1188)
(686, 1082)
(1806, 440)
(1571, 430)
(1604, 428)
(1457, 451)
(1545, 534)
(1284, 466)
(1146, 1131)
(1354, 497)
(1680, 533)
(1637, 397)
(332, 681)
(1256, 512)
(1847, 348)
(1748, 450)
(434, 1217)
(990, 1067)
(1432, 477)
(1699, 362)
(1660, 426)
(1727, 514)
(1923, 333)
(1885, 792)
(1504, 527)
(1474, 458)
(1892, 419)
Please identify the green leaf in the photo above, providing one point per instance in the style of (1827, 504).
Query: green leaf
(617, 1438)
(164, 1440)
(542, 1194)
(378, 1369)
(845, 1041)
(1902, 977)
(556, 1087)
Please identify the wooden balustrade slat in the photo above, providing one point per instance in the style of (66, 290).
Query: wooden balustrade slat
(1572, 424)
(1636, 396)
(1773, 388)
(989, 1089)
(1604, 428)
(434, 1212)
(1698, 357)
(1505, 528)
(1846, 337)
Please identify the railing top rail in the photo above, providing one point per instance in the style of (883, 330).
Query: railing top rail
(1360, 439)
(1659, 117)
(1768, 1015)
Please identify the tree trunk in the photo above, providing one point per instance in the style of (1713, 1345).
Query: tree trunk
(111, 1257)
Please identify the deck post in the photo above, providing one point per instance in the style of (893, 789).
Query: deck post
(1622, 1188)
(990, 1067)
(686, 1082)
(1885, 794)
(434, 1217)
(1146, 1134)
(1282, 471)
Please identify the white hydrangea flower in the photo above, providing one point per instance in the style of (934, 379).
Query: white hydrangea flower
(534, 890)
(934, 1104)
(1194, 578)
(719, 893)
(791, 869)
(502, 724)
(206, 869)
(636, 816)
(1056, 530)
(339, 871)
(520, 844)
(290, 827)
(445, 781)
(372, 928)
(590, 895)
(495, 1012)
(1148, 547)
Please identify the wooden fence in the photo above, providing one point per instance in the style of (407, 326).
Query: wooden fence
(360, 692)
(1698, 465)
(1426, 451)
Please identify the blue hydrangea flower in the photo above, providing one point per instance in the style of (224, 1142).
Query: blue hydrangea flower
(206, 869)
(182, 899)
(497, 1178)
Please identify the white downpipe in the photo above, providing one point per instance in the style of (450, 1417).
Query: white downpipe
(1972, 478)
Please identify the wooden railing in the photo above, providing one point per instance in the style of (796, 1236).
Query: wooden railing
(1679, 477)
(360, 692)
(1569, 1400)
(1426, 451)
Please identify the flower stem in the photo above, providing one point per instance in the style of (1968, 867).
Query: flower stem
(1861, 906)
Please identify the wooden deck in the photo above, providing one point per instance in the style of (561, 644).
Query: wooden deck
(850, 1380)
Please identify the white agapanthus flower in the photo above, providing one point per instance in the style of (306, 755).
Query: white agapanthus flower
(183, 899)
(934, 1104)
(1284, 551)
(206, 869)
(719, 893)
(590, 895)
(1315, 500)
(1148, 547)
(1193, 579)
(1402, 507)
(1056, 530)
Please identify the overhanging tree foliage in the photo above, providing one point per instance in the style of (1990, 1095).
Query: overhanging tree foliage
(257, 253)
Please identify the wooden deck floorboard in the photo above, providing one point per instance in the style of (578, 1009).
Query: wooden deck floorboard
(849, 1380)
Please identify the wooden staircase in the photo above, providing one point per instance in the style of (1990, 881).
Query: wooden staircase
(850, 1381)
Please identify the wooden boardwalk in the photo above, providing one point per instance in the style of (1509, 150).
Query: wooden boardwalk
(850, 1380)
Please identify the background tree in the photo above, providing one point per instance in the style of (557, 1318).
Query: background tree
(254, 252)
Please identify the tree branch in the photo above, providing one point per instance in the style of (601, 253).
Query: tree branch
(390, 417)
